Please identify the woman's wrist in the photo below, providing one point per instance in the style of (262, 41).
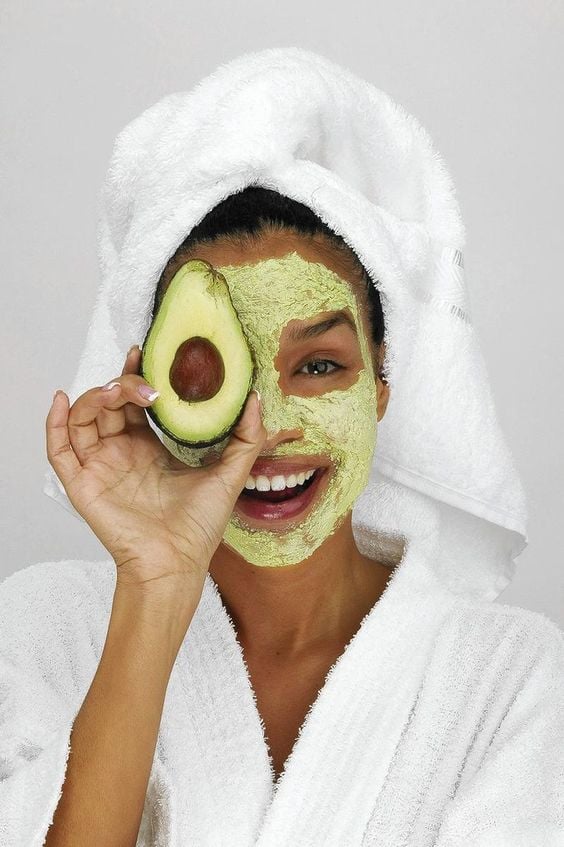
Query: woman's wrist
(156, 619)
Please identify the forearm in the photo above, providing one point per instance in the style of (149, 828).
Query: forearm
(114, 735)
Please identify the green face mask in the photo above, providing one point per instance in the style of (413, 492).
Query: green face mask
(340, 424)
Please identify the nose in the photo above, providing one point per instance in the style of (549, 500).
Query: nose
(283, 436)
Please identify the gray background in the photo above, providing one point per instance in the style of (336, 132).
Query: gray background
(485, 79)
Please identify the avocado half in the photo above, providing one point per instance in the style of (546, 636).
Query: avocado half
(197, 355)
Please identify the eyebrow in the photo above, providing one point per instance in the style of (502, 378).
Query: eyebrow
(313, 330)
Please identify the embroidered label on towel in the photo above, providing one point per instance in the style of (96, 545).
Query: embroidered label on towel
(445, 287)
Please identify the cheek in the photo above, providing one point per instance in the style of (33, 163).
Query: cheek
(341, 415)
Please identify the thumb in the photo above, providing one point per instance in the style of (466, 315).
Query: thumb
(246, 442)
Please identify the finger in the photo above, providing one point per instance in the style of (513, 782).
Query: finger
(134, 415)
(59, 450)
(115, 421)
(84, 414)
(246, 442)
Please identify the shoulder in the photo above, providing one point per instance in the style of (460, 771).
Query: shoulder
(501, 642)
(524, 625)
(68, 580)
(54, 617)
(510, 782)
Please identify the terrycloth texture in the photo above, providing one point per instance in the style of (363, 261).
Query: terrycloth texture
(442, 723)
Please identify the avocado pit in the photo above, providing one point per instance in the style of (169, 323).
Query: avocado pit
(197, 372)
(197, 355)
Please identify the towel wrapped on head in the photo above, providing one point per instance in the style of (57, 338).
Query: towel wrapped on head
(294, 122)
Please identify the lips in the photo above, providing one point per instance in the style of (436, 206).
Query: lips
(274, 513)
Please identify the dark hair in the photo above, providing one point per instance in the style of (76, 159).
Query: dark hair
(242, 216)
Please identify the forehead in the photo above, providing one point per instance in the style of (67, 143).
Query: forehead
(273, 291)
(244, 262)
(269, 244)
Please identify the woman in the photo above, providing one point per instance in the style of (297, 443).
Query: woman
(243, 670)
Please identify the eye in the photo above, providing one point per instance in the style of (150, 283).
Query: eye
(323, 363)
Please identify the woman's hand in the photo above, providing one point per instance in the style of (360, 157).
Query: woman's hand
(159, 518)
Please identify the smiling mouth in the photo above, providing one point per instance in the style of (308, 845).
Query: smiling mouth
(273, 506)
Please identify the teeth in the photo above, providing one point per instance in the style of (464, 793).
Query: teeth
(262, 483)
(278, 482)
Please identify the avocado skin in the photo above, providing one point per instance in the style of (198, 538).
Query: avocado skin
(203, 266)
(202, 444)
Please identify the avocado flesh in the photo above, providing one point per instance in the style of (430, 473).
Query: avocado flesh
(197, 304)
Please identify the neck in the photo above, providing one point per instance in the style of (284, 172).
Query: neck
(289, 610)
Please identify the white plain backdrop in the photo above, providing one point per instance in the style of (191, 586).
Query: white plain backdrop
(485, 79)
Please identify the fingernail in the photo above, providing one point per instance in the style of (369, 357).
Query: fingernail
(109, 386)
(131, 349)
(258, 407)
(148, 393)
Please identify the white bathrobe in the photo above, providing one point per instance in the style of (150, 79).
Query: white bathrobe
(442, 722)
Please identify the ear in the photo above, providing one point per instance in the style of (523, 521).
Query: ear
(383, 397)
(381, 382)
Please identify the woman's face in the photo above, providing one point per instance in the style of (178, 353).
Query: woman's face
(321, 398)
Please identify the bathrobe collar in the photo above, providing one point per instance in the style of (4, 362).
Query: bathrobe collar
(213, 738)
